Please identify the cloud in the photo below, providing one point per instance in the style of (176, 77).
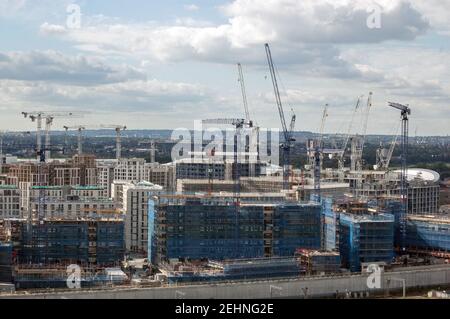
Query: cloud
(191, 7)
(289, 24)
(52, 66)
(435, 12)
(33, 10)
(52, 29)
(150, 96)
(11, 7)
(323, 48)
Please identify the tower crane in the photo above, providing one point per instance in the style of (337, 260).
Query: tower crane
(358, 141)
(383, 157)
(239, 124)
(119, 129)
(1, 152)
(244, 94)
(287, 135)
(80, 129)
(341, 161)
(318, 154)
(254, 131)
(38, 117)
(405, 111)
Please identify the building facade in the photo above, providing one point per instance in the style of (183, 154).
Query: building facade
(135, 206)
(10, 202)
(197, 229)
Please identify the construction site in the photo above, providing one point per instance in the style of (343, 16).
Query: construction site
(221, 216)
(196, 228)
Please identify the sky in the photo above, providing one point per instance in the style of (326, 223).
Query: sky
(164, 64)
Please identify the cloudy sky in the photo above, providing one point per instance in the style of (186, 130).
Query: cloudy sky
(164, 64)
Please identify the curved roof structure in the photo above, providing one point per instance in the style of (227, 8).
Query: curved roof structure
(421, 173)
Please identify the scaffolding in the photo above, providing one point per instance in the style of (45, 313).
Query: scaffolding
(192, 227)
(296, 226)
(201, 228)
(428, 235)
(56, 276)
(47, 242)
(239, 269)
(366, 238)
(314, 262)
(5, 262)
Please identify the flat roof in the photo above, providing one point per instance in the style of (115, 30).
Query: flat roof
(8, 187)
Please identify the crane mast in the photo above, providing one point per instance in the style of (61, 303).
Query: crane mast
(318, 154)
(405, 111)
(38, 117)
(347, 137)
(244, 94)
(236, 172)
(1, 152)
(118, 129)
(286, 145)
(80, 130)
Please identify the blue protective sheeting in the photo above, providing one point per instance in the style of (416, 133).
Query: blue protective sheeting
(366, 238)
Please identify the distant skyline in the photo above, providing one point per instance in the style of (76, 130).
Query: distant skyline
(164, 64)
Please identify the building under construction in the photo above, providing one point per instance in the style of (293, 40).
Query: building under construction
(204, 168)
(314, 262)
(365, 235)
(202, 228)
(229, 270)
(5, 262)
(423, 188)
(428, 236)
(91, 241)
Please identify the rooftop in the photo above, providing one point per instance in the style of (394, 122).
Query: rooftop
(365, 218)
(423, 174)
(8, 187)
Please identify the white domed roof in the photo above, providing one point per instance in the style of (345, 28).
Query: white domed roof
(424, 174)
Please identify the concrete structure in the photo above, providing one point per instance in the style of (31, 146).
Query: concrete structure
(423, 190)
(134, 170)
(262, 184)
(66, 192)
(130, 170)
(319, 262)
(445, 192)
(10, 202)
(135, 207)
(70, 201)
(161, 174)
(80, 170)
(75, 208)
(106, 174)
(204, 168)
